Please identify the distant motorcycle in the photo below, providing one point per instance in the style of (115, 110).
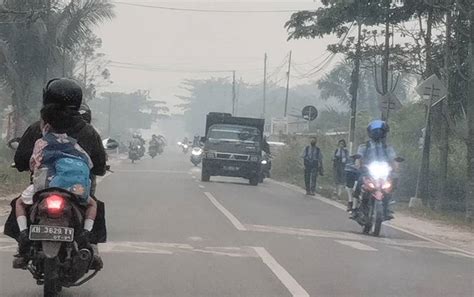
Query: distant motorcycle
(376, 191)
(153, 151)
(196, 155)
(134, 153)
(185, 148)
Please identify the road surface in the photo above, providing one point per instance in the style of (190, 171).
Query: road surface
(172, 235)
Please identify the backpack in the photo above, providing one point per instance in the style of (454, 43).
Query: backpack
(72, 174)
(67, 166)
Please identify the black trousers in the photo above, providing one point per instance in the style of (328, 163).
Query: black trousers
(310, 178)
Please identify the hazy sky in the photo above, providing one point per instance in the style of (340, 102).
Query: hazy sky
(179, 44)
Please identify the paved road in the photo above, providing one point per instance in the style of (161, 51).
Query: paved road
(171, 235)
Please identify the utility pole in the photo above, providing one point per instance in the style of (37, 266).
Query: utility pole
(287, 85)
(354, 88)
(233, 93)
(264, 85)
(386, 57)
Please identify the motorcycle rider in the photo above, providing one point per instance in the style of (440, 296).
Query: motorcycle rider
(154, 141)
(139, 142)
(376, 149)
(67, 94)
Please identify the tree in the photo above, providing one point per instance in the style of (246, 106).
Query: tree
(119, 114)
(36, 39)
(90, 67)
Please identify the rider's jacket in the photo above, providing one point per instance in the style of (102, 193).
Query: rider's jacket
(84, 133)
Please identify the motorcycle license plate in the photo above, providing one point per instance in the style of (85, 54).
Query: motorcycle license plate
(51, 233)
(231, 168)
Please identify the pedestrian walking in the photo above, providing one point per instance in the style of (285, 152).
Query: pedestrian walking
(339, 159)
(313, 166)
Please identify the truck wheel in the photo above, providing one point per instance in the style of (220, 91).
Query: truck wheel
(254, 181)
(205, 177)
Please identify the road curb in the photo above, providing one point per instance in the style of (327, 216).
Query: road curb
(393, 225)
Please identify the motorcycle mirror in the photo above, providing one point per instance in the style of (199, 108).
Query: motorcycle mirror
(110, 144)
(14, 143)
(399, 159)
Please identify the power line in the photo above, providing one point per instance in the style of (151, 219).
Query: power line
(153, 68)
(205, 10)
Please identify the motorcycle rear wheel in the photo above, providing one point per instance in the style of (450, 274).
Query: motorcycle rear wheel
(51, 286)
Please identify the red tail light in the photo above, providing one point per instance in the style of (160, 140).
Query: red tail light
(55, 205)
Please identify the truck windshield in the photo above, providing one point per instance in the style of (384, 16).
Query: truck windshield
(234, 133)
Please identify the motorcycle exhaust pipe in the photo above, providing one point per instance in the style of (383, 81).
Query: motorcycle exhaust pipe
(85, 255)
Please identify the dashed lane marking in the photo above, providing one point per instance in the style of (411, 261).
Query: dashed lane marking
(284, 276)
(158, 248)
(357, 245)
(342, 236)
(151, 171)
(456, 254)
(390, 224)
(399, 248)
(237, 224)
(201, 186)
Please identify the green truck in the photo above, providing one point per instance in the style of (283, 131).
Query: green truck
(232, 147)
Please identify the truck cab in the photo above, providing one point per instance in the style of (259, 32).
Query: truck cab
(232, 147)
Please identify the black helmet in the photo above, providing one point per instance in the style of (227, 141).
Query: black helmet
(85, 113)
(63, 91)
(378, 130)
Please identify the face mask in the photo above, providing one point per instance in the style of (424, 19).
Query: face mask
(313, 143)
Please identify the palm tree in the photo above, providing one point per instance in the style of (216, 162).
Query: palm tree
(36, 38)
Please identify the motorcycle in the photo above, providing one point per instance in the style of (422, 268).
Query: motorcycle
(377, 186)
(196, 156)
(134, 153)
(265, 167)
(153, 151)
(55, 258)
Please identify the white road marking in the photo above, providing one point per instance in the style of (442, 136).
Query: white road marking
(150, 171)
(2, 228)
(357, 245)
(400, 248)
(193, 177)
(158, 248)
(284, 276)
(201, 186)
(342, 207)
(457, 254)
(341, 235)
(237, 224)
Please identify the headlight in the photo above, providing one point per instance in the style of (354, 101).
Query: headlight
(264, 162)
(387, 185)
(379, 170)
(196, 152)
(254, 158)
(185, 146)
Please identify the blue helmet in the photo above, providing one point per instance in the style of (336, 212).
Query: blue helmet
(378, 130)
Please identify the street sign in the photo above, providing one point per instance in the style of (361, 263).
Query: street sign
(310, 113)
(389, 99)
(431, 89)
